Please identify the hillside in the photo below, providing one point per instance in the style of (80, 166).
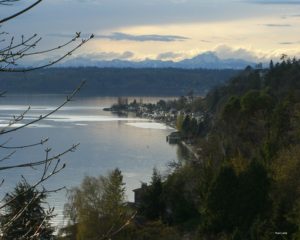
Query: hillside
(245, 184)
(116, 81)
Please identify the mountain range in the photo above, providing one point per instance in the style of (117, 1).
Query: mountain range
(208, 60)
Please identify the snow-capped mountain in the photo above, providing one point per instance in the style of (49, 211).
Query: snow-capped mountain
(207, 60)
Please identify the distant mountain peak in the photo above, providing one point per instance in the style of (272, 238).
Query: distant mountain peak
(207, 56)
(208, 60)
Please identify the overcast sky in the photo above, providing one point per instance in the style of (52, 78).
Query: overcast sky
(165, 29)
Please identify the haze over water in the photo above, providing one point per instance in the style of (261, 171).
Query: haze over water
(107, 141)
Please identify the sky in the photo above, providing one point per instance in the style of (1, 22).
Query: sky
(254, 30)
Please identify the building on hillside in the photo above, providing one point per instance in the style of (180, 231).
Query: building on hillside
(174, 138)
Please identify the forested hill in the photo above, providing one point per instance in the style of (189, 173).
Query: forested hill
(245, 182)
(255, 124)
(258, 111)
(116, 81)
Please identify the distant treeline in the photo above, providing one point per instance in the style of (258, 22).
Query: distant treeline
(116, 81)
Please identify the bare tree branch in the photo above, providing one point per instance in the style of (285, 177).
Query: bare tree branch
(20, 12)
(112, 233)
(37, 163)
(77, 36)
(7, 156)
(6, 69)
(42, 142)
(12, 51)
(8, 2)
(44, 176)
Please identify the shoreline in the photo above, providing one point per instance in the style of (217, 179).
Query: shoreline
(163, 119)
(190, 149)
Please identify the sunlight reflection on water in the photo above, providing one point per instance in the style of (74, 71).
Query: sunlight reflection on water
(106, 142)
(150, 125)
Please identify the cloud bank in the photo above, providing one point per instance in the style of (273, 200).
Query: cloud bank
(108, 55)
(275, 1)
(169, 56)
(119, 36)
(276, 25)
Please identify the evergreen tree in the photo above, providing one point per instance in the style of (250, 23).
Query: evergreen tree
(186, 125)
(221, 202)
(114, 194)
(178, 193)
(152, 206)
(25, 217)
(271, 65)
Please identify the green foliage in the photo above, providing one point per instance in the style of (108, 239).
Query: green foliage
(236, 202)
(186, 125)
(114, 194)
(232, 109)
(258, 120)
(155, 230)
(25, 216)
(247, 181)
(178, 192)
(255, 100)
(245, 185)
(286, 193)
(253, 194)
(97, 206)
(271, 66)
(250, 101)
(179, 122)
(152, 205)
(171, 202)
(162, 105)
(221, 202)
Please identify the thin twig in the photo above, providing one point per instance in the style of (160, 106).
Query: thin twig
(42, 142)
(38, 163)
(21, 12)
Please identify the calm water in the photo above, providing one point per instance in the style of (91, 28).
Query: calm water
(106, 142)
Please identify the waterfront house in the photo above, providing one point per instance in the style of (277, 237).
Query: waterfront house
(174, 137)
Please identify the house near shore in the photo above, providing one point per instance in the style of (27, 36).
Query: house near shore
(174, 137)
(138, 192)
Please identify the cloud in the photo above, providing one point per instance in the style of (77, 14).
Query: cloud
(275, 1)
(254, 55)
(178, 1)
(205, 41)
(128, 1)
(67, 35)
(286, 43)
(291, 16)
(81, 59)
(221, 51)
(276, 25)
(108, 15)
(169, 56)
(118, 36)
(108, 55)
(226, 52)
(289, 43)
